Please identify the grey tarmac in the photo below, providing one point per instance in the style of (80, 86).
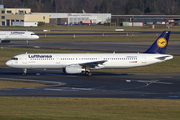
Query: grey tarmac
(100, 85)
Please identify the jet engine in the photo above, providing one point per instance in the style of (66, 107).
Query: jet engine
(73, 69)
(5, 41)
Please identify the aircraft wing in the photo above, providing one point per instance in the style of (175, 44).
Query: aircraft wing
(92, 64)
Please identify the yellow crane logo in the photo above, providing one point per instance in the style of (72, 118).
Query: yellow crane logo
(162, 42)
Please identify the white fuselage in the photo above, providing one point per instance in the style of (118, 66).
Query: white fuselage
(17, 35)
(112, 60)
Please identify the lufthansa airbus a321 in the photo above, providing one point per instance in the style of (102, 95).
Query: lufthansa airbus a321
(7, 36)
(85, 62)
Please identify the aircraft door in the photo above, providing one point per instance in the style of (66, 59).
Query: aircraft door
(58, 59)
(143, 59)
(24, 59)
(7, 36)
(25, 36)
(100, 58)
(16, 61)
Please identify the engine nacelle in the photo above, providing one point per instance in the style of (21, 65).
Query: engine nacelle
(73, 69)
(5, 41)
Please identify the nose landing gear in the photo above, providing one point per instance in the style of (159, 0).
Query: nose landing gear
(27, 42)
(25, 71)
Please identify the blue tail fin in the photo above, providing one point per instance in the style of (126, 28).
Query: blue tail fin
(160, 45)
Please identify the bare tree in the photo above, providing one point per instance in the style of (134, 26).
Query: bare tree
(39, 1)
(168, 7)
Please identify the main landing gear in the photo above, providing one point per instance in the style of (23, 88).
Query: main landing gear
(88, 73)
(25, 71)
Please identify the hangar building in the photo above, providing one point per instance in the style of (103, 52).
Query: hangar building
(76, 18)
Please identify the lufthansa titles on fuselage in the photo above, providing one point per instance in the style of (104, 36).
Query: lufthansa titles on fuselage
(40, 56)
(133, 59)
(131, 56)
(16, 32)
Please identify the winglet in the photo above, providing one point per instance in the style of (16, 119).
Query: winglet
(160, 45)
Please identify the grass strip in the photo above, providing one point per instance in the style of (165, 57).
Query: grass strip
(11, 84)
(85, 28)
(52, 108)
(99, 38)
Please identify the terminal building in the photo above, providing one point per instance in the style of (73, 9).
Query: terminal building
(24, 17)
(17, 16)
(10, 16)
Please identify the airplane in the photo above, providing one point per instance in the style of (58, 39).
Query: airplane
(7, 36)
(76, 63)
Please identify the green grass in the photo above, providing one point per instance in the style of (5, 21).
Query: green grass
(46, 108)
(99, 38)
(84, 28)
(11, 84)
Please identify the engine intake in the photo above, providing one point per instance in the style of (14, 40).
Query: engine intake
(5, 41)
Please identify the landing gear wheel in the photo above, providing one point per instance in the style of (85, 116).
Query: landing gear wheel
(87, 73)
(25, 71)
(27, 42)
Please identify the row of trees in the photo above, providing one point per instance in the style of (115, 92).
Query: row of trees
(99, 6)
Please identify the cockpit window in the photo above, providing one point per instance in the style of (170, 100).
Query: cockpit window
(33, 34)
(14, 59)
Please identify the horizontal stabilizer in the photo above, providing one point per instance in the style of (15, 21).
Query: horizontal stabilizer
(162, 58)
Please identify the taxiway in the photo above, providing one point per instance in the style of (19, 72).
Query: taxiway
(106, 85)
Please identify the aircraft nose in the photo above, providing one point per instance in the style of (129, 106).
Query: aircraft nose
(8, 63)
(37, 37)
